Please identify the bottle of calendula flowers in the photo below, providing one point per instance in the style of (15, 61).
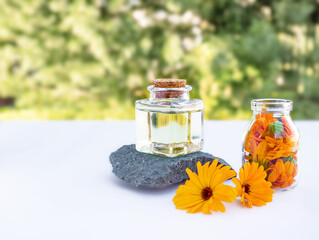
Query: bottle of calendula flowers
(272, 141)
(169, 123)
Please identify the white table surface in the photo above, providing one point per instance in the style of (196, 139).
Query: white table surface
(56, 182)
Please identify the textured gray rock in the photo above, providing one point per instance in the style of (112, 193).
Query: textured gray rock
(147, 170)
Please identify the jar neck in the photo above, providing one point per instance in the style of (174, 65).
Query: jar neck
(169, 93)
(276, 113)
(278, 107)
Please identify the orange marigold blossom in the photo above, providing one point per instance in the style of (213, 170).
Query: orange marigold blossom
(205, 191)
(258, 129)
(280, 147)
(265, 118)
(252, 186)
(282, 174)
(288, 129)
(263, 146)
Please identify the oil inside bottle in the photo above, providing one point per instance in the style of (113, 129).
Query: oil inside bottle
(169, 134)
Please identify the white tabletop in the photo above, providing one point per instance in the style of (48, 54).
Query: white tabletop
(56, 182)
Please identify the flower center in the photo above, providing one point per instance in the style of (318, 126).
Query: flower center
(247, 188)
(207, 193)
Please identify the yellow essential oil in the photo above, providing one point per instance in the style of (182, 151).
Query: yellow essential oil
(169, 123)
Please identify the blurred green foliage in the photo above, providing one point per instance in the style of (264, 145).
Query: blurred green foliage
(76, 59)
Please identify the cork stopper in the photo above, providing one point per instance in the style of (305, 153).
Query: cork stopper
(169, 83)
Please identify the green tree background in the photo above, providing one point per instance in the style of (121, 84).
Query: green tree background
(64, 59)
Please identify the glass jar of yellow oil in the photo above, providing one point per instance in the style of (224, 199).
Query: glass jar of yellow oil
(169, 123)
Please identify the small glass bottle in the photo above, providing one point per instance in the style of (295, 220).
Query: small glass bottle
(272, 140)
(169, 123)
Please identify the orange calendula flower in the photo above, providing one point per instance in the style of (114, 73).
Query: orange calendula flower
(205, 191)
(260, 154)
(252, 186)
(288, 127)
(281, 147)
(282, 174)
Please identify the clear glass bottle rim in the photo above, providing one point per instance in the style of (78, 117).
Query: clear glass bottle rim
(272, 104)
(187, 88)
